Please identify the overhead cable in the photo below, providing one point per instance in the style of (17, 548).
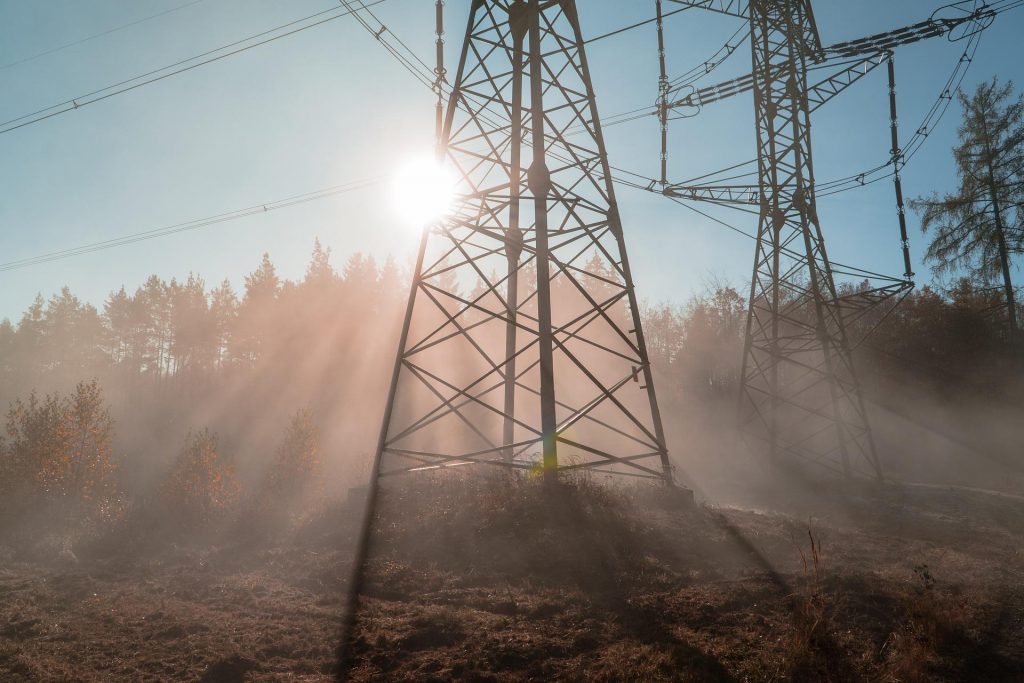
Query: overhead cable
(65, 46)
(176, 68)
(195, 224)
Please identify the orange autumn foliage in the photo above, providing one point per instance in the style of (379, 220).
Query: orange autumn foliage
(60, 447)
(202, 483)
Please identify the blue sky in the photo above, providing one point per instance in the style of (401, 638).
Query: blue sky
(328, 105)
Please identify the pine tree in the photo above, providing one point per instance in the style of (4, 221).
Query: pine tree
(319, 272)
(361, 274)
(117, 322)
(73, 335)
(192, 333)
(223, 313)
(29, 340)
(151, 323)
(262, 284)
(981, 225)
(7, 333)
(34, 436)
(139, 352)
(59, 327)
(256, 312)
(393, 286)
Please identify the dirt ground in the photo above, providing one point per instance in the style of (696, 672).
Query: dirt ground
(896, 584)
(182, 613)
(500, 581)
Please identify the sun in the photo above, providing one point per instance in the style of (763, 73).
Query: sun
(423, 192)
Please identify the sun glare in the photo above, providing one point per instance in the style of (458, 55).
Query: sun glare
(423, 192)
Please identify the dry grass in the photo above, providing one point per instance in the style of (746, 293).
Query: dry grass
(812, 650)
(163, 610)
(512, 581)
(505, 580)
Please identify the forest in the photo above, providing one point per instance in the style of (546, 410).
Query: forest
(102, 403)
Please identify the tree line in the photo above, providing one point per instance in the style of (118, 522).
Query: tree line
(109, 399)
(176, 328)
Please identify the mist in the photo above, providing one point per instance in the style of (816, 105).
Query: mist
(220, 429)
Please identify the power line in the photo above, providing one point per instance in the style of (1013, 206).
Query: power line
(931, 119)
(192, 224)
(407, 62)
(98, 35)
(366, 7)
(837, 266)
(707, 66)
(380, 35)
(620, 181)
(646, 111)
(630, 27)
(262, 207)
(159, 75)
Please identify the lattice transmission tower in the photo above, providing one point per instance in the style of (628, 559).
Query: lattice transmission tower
(522, 345)
(800, 393)
(798, 379)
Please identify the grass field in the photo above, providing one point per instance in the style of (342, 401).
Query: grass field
(504, 580)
